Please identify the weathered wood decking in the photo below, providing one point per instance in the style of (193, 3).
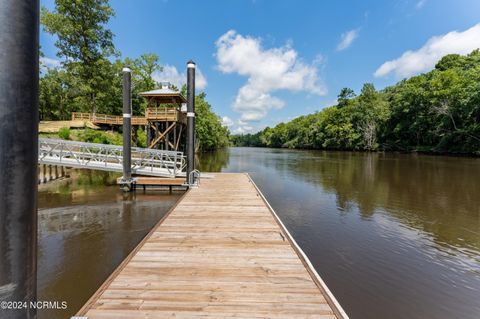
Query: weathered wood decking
(221, 252)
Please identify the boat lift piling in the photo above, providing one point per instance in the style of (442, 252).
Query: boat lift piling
(19, 73)
(190, 122)
(127, 129)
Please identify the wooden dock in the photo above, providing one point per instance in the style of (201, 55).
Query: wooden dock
(221, 252)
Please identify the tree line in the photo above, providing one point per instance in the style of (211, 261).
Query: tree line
(88, 78)
(438, 111)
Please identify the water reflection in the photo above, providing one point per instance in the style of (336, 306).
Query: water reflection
(216, 161)
(86, 228)
(394, 235)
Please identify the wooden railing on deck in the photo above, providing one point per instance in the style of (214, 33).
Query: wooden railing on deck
(151, 114)
(107, 119)
(162, 114)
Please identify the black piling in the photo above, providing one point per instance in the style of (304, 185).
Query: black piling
(19, 21)
(190, 121)
(127, 129)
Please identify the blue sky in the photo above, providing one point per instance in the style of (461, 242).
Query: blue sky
(266, 61)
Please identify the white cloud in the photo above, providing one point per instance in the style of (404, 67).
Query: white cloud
(425, 58)
(171, 74)
(267, 70)
(243, 129)
(347, 39)
(49, 63)
(226, 121)
(420, 4)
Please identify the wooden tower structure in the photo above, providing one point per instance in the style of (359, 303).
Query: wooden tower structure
(166, 119)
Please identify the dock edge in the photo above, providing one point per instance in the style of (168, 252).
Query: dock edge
(331, 300)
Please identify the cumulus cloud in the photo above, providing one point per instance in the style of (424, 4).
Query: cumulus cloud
(425, 58)
(171, 74)
(226, 121)
(49, 63)
(242, 129)
(347, 39)
(267, 70)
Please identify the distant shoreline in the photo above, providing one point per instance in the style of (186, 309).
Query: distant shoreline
(422, 152)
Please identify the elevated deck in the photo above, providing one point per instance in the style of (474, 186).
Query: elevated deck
(221, 252)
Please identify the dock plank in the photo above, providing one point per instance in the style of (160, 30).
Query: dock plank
(221, 252)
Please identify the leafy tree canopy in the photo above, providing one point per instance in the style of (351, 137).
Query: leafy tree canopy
(438, 111)
(89, 79)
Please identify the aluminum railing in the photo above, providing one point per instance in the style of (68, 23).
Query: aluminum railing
(145, 161)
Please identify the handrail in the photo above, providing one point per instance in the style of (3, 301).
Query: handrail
(194, 178)
(150, 113)
(150, 162)
(161, 112)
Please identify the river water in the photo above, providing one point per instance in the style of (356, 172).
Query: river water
(392, 235)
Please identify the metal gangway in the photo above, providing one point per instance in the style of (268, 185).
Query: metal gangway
(145, 161)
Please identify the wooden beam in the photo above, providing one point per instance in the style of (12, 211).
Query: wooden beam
(179, 137)
(161, 136)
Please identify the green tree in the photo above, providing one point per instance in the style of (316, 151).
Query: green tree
(54, 95)
(142, 69)
(210, 134)
(89, 81)
(436, 111)
(84, 43)
(344, 97)
(371, 113)
(142, 79)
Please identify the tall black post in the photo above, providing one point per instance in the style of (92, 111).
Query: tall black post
(19, 20)
(127, 128)
(190, 120)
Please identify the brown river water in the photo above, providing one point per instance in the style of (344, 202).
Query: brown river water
(393, 235)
